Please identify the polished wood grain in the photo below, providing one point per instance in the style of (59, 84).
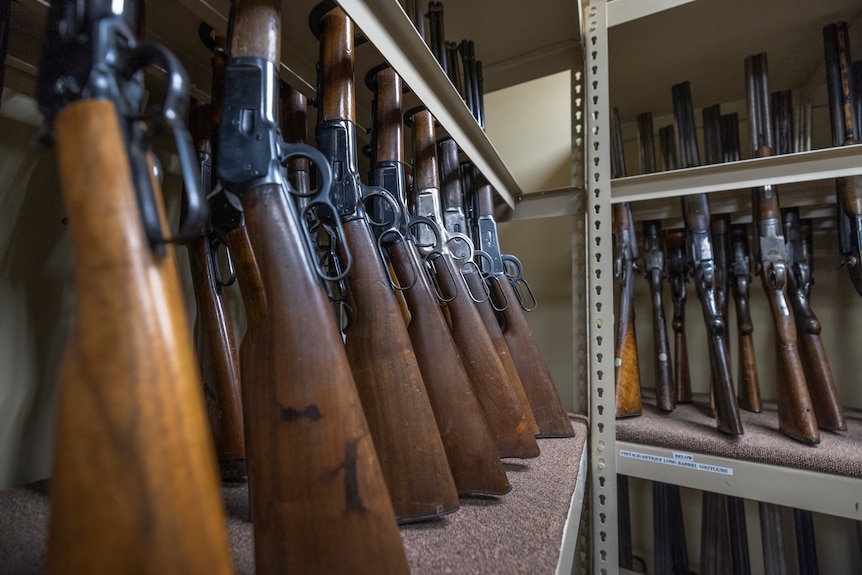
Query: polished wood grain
(337, 51)
(627, 383)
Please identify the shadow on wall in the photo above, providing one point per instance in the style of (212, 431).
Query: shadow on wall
(36, 303)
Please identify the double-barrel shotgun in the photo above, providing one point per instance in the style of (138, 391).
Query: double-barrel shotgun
(319, 502)
(627, 386)
(796, 417)
(654, 272)
(701, 261)
(378, 346)
(470, 447)
(134, 487)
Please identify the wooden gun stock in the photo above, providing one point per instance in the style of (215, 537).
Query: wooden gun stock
(654, 273)
(318, 498)
(675, 242)
(470, 447)
(796, 417)
(378, 346)
(818, 372)
(749, 384)
(135, 485)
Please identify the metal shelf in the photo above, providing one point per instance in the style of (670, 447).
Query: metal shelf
(836, 495)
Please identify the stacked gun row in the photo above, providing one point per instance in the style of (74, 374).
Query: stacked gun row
(387, 365)
(716, 255)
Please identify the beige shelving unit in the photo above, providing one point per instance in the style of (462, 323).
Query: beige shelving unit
(807, 181)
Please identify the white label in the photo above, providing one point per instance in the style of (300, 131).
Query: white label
(678, 460)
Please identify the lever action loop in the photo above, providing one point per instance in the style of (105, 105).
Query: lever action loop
(523, 291)
(399, 237)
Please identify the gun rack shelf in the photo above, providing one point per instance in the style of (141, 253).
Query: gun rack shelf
(533, 528)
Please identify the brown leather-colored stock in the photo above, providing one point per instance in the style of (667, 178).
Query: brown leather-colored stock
(390, 134)
(337, 49)
(134, 487)
(626, 373)
(425, 151)
(391, 388)
(470, 447)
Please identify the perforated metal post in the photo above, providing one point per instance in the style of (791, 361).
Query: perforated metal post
(600, 295)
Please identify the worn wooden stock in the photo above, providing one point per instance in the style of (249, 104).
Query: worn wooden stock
(470, 447)
(319, 502)
(378, 346)
(674, 242)
(749, 385)
(796, 417)
(654, 273)
(213, 335)
(135, 484)
(499, 403)
(818, 372)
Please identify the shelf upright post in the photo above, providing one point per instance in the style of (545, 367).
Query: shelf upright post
(600, 295)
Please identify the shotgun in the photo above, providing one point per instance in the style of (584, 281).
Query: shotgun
(738, 535)
(378, 346)
(701, 262)
(655, 274)
(715, 547)
(454, 220)
(627, 385)
(846, 130)
(749, 384)
(796, 417)
(815, 363)
(806, 548)
(134, 487)
(318, 498)
(470, 447)
(772, 534)
(671, 553)
(499, 402)
(624, 515)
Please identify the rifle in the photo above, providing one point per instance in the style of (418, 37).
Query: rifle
(454, 220)
(499, 403)
(846, 130)
(695, 209)
(626, 374)
(796, 417)
(213, 331)
(378, 346)
(470, 447)
(134, 464)
(303, 416)
(749, 385)
(654, 274)
(815, 363)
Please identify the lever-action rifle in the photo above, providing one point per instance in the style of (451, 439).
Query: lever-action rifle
(796, 417)
(134, 487)
(846, 131)
(627, 383)
(502, 411)
(470, 447)
(695, 209)
(654, 273)
(317, 495)
(378, 346)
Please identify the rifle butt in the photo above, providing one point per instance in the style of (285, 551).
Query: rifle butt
(664, 382)
(499, 404)
(218, 359)
(319, 501)
(821, 383)
(749, 384)
(542, 394)
(726, 409)
(626, 372)
(135, 486)
(391, 388)
(492, 324)
(470, 448)
(681, 373)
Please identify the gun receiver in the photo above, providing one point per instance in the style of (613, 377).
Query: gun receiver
(843, 102)
(306, 397)
(796, 417)
(701, 261)
(470, 447)
(627, 383)
(654, 273)
(133, 461)
(499, 402)
(818, 373)
(378, 346)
